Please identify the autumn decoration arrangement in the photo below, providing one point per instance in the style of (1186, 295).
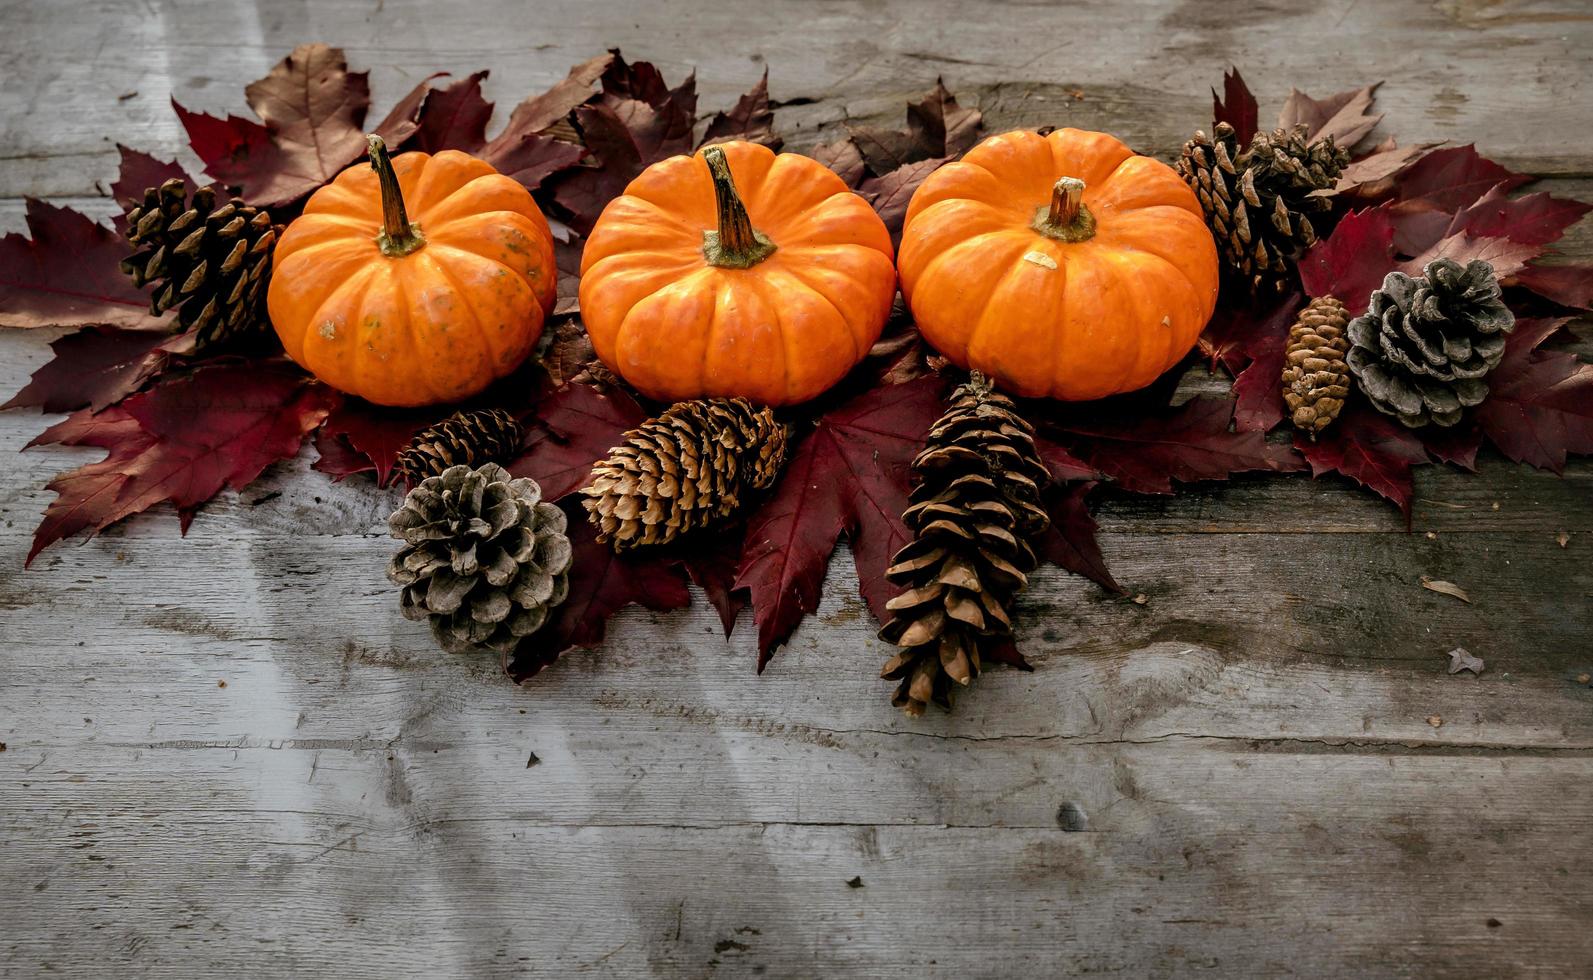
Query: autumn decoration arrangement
(610, 351)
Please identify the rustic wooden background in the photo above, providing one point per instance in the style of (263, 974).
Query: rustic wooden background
(226, 754)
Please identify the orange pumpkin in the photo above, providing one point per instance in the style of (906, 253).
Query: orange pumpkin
(1063, 266)
(420, 313)
(770, 285)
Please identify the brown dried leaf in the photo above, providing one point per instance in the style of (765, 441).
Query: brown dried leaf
(1460, 660)
(1446, 588)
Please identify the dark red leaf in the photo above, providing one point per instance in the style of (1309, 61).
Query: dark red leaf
(538, 112)
(1457, 444)
(67, 274)
(889, 195)
(751, 119)
(1569, 284)
(220, 426)
(1352, 261)
(844, 158)
(93, 368)
(939, 124)
(377, 432)
(1194, 442)
(601, 584)
(1236, 106)
(1346, 117)
(1070, 540)
(1369, 448)
(1540, 403)
(711, 562)
(453, 118)
(338, 457)
(312, 108)
(404, 118)
(1534, 219)
(573, 428)
(1372, 176)
(1063, 466)
(1258, 389)
(139, 172)
(851, 475)
(1452, 178)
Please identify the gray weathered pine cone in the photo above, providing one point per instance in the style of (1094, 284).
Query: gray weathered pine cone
(1421, 350)
(484, 557)
(1259, 200)
(210, 259)
(973, 513)
(694, 465)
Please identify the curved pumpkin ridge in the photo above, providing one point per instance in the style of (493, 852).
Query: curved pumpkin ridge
(913, 273)
(792, 186)
(1093, 320)
(656, 340)
(337, 198)
(511, 241)
(850, 279)
(631, 233)
(690, 196)
(1091, 157)
(315, 274)
(796, 297)
(1140, 182)
(762, 345)
(1024, 154)
(1145, 230)
(945, 224)
(1177, 296)
(426, 312)
(318, 347)
(443, 175)
(962, 299)
(1135, 358)
(485, 194)
(325, 227)
(623, 282)
(840, 220)
(1024, 366)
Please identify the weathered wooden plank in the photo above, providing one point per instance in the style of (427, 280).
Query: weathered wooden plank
(1142, 69)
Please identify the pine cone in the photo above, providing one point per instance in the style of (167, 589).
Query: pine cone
(973, 512)
(1258, 201)
(484, 558)
(1315, 378)
(692, 466)
(1423, 346)
(212, 261)
(463, 439)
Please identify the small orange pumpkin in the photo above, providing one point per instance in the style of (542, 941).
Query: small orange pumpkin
(693, 288)
(1063, 266)
(420, 313)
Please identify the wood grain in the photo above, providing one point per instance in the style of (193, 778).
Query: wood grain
(225, 753)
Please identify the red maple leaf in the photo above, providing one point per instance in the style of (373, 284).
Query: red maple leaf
(94, 368)
(751, 119)
(1569, 284)
(1194, 442)
(1236, 107)
(1258, 389)
(1369, 448)
(574, 428)
(1070, 540)
(312, 108)
(68, 274)
(601, 584)
(375, 432)
(182, 441)
(1451, 178)
(849, 475)
(1540, 403)
(138, 173)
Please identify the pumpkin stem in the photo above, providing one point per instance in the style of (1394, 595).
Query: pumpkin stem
(1066, 219)
(735, 244)
(398, 236)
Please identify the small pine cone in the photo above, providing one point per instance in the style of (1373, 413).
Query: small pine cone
(484, 557)
(690, 467)
(1259, 200)
(1315, 378)
(465, 438)
(212, 261)
(1423, 346)
(973, 513)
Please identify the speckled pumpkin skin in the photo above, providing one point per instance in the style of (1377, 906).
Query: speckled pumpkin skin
(778, 333)
(1058, 319)
(436, 325)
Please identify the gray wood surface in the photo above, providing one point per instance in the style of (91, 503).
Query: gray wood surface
(227, 755)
